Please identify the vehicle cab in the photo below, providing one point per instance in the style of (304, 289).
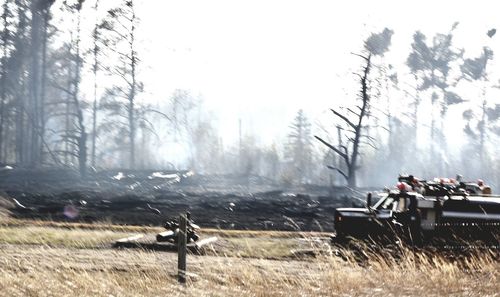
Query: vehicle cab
(392, 211)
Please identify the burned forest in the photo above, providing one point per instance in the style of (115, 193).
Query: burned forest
(356, 133)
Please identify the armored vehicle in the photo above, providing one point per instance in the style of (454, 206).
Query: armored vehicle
(408, 214)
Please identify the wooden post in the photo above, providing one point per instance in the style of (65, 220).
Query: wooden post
(181, 244)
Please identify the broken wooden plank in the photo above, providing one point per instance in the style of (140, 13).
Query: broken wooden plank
(165, 236)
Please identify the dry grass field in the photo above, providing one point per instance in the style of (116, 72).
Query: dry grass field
(58, 259)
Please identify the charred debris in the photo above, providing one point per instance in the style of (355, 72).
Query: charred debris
(153, 197)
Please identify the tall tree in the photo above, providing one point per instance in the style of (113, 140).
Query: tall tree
(356, 126)
(45, 16)
(74, 134)
(475, 70)
(81, 136)
(6, 44)
(34, 97)
(432, 64)
(377, 44)
(18, 80)
(96, 39)
(120, 25)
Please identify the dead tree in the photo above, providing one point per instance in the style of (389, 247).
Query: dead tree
(46, 16)
(68, 81)
(6, 37)
(95, 67)
(80, 137)
(119, 31)
(354, 134)
(34, 82)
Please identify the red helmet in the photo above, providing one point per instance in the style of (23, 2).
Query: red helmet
(402, 186)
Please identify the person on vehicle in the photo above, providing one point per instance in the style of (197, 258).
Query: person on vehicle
(416, 185)
(404, 187)
(486, 190)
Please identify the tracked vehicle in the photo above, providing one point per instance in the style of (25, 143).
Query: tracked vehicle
(410, 215)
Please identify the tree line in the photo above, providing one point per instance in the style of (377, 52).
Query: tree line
(44, 116)
(73, 97)
(379, 131)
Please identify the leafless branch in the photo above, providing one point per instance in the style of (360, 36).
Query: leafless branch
(336, 150)
(344, 118)
(338, 170)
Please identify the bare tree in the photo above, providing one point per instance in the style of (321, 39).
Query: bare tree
(46, 16)
(18, 80)
(74, 134)
(120, 25)
(354, 134)
(95, 67)
(6, 42)
(34, 81)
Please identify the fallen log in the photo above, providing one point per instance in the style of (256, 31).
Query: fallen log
(165, 236)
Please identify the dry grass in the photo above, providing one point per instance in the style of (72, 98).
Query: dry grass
(261, 233)
(13, 222)
(54, 264)
(71, 238)
(265, 248)
(42, 271)
(232, 243)
(100, 236)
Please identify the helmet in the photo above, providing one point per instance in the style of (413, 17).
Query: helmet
(402, 186)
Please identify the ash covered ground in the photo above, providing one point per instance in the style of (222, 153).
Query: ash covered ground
(127, 197)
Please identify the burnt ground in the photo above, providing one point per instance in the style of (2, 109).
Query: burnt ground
(219, 201)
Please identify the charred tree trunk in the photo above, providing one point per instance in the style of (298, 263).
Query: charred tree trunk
(5, 38)
(82, 144)
(353, 166)
(131, 108)
(81, 137)
(351, 157)
(119, 28)
(95, 68)
(43, 82)
(18, 84)
(34, 110)
(67, 120)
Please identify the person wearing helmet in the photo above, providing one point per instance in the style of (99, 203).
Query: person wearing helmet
(485, 190)
(416, 185)
(404, 187)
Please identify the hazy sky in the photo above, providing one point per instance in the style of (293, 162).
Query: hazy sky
(263, 60)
